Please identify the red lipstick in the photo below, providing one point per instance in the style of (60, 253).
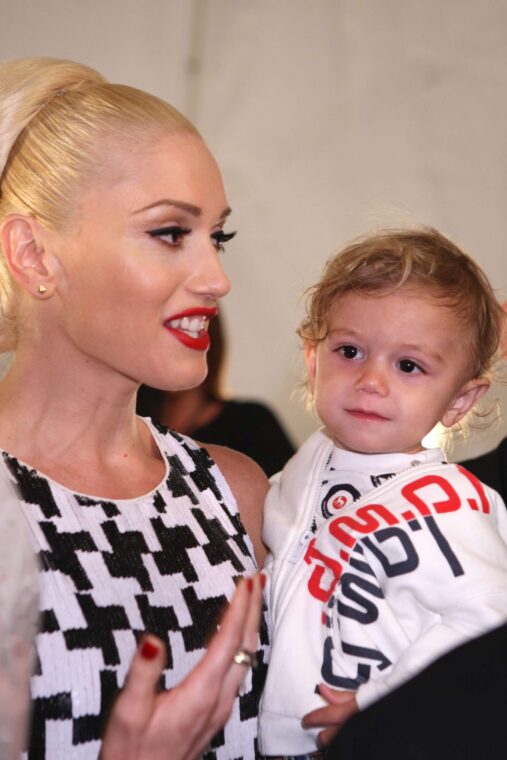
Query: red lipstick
(190, 327)
(205, 311)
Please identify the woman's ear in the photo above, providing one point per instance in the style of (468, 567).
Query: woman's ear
(468, 395)
(22, 240)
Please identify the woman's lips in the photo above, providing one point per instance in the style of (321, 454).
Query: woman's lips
(362, 414)
(190, 327)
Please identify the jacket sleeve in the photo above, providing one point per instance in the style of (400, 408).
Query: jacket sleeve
(412, 592)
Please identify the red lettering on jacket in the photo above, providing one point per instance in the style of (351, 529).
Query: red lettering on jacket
(365, 520)
(450, 504)
(315, 588)
(479, 488)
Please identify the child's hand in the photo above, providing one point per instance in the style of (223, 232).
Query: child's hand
(342, 705)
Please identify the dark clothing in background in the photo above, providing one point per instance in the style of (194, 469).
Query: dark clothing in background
(253, 429)
(491, 468)
(453, 710)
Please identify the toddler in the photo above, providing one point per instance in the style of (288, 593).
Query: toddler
(383, 556)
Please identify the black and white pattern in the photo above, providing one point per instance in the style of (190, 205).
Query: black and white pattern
(164, 563)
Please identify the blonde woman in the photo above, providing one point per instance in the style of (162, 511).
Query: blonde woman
(112, 219)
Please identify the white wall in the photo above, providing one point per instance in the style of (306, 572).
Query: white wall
(328, 117)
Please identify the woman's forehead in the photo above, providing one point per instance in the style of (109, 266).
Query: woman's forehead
(125, 155)
(133, 175)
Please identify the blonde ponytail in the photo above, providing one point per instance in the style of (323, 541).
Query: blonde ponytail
(27, 85)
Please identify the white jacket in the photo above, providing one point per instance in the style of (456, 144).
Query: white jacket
(411, 570)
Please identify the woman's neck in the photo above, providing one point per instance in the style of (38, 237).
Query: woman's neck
(103, 451)
(57, 413)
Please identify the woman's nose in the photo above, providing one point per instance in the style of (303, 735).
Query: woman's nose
(209, 279)
(372, 379)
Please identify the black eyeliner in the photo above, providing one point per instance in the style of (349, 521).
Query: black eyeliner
(223, 237)
(172, 230)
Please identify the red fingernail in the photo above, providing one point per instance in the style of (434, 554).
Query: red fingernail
(263, 580)
(149, 650)
(249, 584)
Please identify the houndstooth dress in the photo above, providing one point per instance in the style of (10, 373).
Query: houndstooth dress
(165, 563)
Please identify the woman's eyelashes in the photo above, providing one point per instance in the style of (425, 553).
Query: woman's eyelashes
(174, 234)
(220, 238)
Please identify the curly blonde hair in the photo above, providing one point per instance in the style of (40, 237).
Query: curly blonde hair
(424, 259)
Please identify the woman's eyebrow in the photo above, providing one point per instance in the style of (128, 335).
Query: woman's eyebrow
(189, 208)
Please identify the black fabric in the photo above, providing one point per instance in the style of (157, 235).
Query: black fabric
(491, 468)
(251, 428)
(453, 710)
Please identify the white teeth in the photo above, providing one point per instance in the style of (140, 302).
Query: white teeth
(195, 324)
(191, 325)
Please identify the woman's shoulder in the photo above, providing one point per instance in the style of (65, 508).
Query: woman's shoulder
(249, 486)
(170, 441)
(237, 468)
(244, 478)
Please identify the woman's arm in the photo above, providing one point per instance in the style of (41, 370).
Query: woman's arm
(249, 486)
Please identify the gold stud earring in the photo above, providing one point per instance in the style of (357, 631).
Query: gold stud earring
(42, 289)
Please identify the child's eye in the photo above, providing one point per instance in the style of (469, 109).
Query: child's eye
(172, 235)
(350, 352)
(409, 366)
(220, 238)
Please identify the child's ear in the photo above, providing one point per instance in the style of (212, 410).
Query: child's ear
(468, 395)
(22, 240)
(311, 363)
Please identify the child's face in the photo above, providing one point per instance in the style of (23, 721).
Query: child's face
(390, 368)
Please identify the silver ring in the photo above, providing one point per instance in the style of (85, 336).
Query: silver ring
(245, 657)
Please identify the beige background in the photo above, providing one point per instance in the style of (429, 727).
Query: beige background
(328, 117)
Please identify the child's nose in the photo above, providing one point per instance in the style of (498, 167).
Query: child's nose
(372, 379)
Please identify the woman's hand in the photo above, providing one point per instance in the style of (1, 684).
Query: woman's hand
(342, 705)
(178, 724)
